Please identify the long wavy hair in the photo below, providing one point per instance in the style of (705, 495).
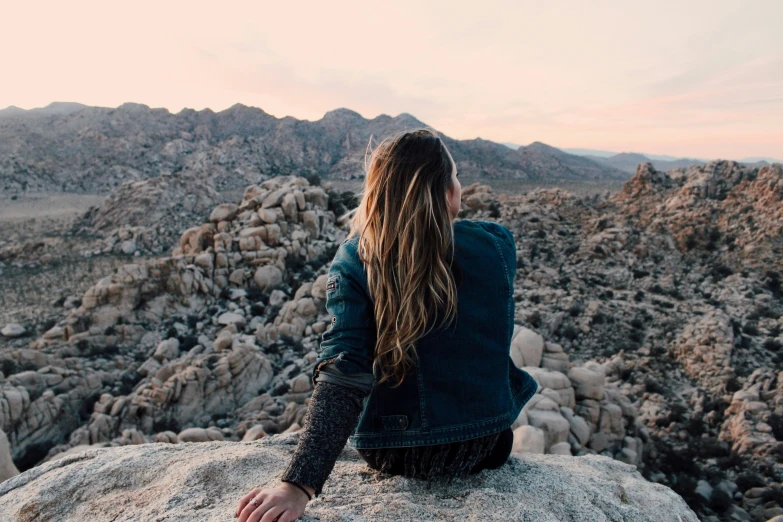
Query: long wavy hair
(406, 243)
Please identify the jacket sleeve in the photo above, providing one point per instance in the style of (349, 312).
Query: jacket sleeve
(349, 342)
(342, 375)
(509, 238)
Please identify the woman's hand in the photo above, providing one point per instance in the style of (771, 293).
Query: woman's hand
(286, 501)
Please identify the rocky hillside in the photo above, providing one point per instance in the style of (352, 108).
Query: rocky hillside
(96, 149)
(724, 211)
(147, 216)
(691, 328)
(205, 482)
(544, 160)
(649, 348)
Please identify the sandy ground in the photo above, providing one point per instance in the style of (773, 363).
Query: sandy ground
(27, 292)
(66, 206)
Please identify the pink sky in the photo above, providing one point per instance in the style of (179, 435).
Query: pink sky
(695, 78)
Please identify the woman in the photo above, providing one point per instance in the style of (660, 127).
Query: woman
(415, 367)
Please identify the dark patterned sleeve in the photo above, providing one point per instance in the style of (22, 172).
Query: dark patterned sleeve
(331, 418)
(342, 375)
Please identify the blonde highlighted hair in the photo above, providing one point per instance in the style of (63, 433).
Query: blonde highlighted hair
(406, 243)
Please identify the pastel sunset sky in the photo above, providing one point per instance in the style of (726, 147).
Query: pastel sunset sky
(686, 78)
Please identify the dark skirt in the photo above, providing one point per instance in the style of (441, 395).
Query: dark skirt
(456, 459)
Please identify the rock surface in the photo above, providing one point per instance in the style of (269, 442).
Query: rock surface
(13, 330)
(7, 468)
(205, 481)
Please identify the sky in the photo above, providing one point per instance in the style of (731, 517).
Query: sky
(685, 78)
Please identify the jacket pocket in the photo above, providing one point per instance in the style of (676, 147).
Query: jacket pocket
(394, 422)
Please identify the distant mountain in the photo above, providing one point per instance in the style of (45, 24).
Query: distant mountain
(11, 110)
(53, 109)
(96, 149)
(608, 154)
(628, 162)
(546, 158)
(590, 152)
(663, 162)
(757, 159)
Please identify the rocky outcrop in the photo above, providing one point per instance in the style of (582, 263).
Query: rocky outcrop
(204, 333)
(205, 481)
(723, 207)
(705, 348)
(753, 421)
(477, 196)
(146, 217)
(576, 411)
(7, 467)
(679, 329)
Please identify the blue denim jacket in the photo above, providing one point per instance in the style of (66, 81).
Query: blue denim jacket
(465, 385)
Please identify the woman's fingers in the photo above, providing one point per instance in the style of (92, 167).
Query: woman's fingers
(251, 508)
(244, 500)
(271, 505)
(288, 516)
(268, 516)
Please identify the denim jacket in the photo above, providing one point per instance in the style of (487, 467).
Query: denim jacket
(465, 384)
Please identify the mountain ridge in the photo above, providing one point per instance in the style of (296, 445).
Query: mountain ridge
(85, 149)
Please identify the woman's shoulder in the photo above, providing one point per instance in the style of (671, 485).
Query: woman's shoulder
(348, 250)
(491, 227)
(347, 262)
(479, 224)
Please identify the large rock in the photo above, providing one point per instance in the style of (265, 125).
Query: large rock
(199, 435)
(578, 426)
(167, 350)
(268, 277)
(529, 439)
(224, 212)
(555, 358)
(7, 468)
(13, 330)
(554, 425)
(527, 347)
(588, 380)
(549, 379)
(205, 482)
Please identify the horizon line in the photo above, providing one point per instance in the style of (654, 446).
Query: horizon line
(647, 155)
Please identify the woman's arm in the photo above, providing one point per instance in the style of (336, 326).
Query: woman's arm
(331, 418)
(337, 401)
(342, 375)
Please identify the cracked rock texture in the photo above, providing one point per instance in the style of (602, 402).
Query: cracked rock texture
(204, 482)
